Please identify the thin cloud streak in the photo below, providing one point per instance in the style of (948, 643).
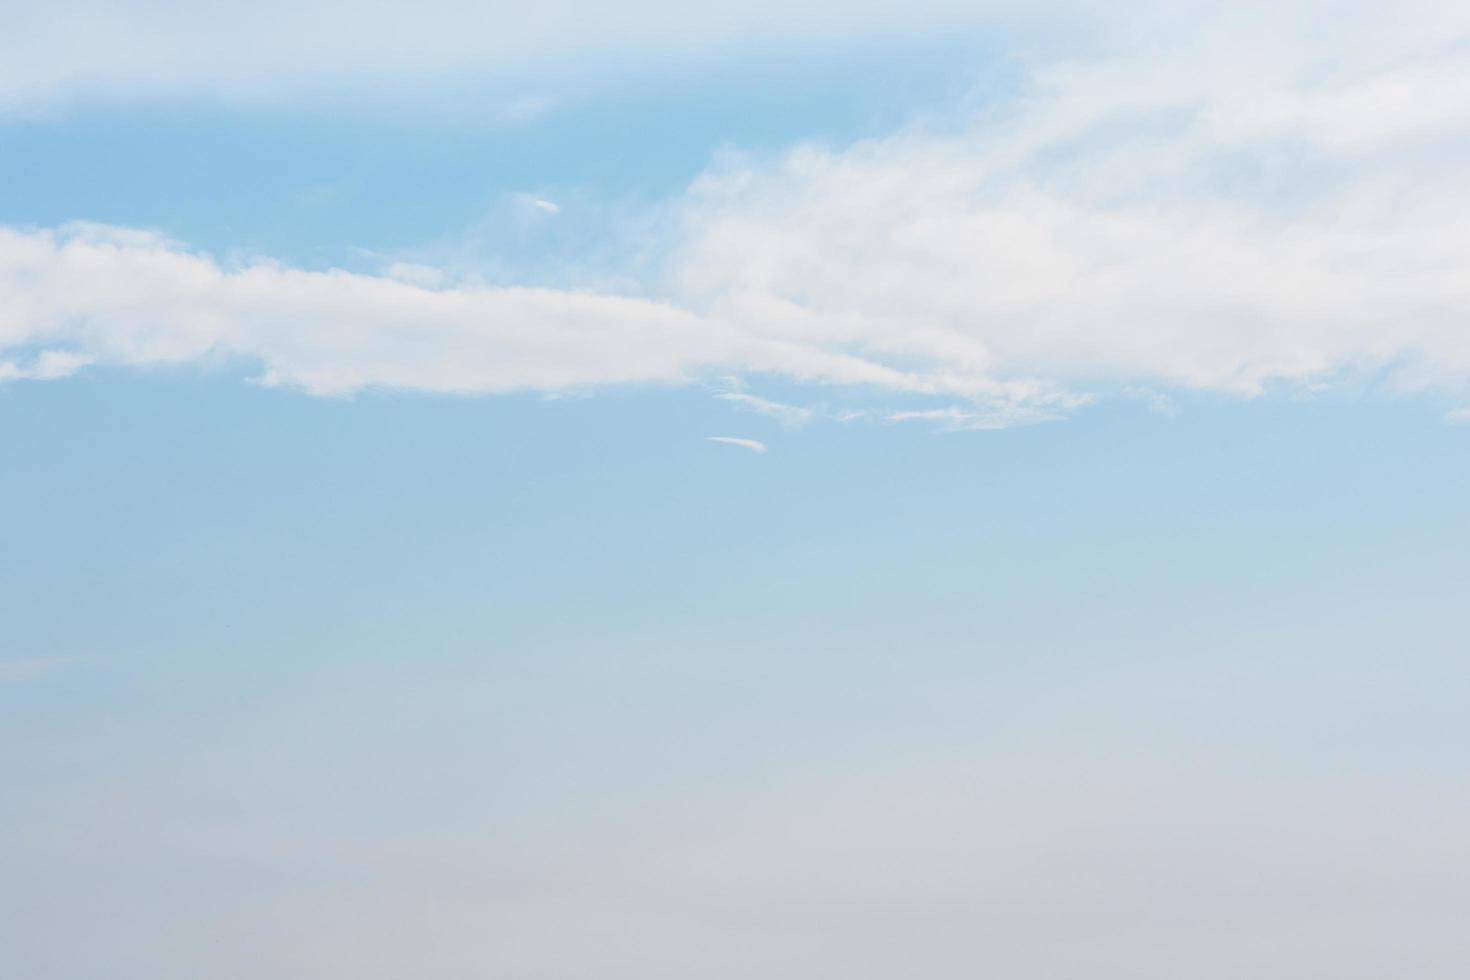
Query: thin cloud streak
(754, 445)
(792, 415)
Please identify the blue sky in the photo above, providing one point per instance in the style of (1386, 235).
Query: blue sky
(938, 490)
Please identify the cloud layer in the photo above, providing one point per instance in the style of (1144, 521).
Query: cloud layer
(272, 50)
(1224, 207)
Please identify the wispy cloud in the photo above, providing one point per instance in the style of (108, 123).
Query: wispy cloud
(414, 274)
(1158, 402)
(785, 414)
(953, 415)
(754, 445)
(959, 417)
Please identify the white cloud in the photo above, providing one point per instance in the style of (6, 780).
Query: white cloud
(1147, 220)
(1158, 402)
(132, 299)
(549, 207)
(87, 294)
(754, 445)
(414, 274)
(785, 414)
(1227, 206)
(957, 418)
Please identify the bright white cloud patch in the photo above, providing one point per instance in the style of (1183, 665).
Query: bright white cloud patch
(1216, 206)
(115, 297)
(1177, 221)
(88, 295)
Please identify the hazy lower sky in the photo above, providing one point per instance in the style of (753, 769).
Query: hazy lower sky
(712, 492)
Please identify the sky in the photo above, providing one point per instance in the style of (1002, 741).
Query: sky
(684, 492)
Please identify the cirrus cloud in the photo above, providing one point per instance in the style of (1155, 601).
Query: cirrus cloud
(754, 445)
